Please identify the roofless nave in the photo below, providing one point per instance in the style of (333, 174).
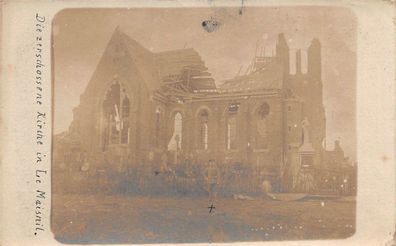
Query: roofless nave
(160, 111)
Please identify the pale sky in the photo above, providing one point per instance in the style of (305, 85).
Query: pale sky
(81, 35)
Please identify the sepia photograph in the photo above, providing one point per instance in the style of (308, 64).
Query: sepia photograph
(203, 125)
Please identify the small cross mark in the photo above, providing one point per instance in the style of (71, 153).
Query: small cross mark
(211, 208)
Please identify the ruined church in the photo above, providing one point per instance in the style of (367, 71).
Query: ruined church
(147, 109)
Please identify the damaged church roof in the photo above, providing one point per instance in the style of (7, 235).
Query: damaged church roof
(265, 73)
(184, 65)
(168, 67)
(181, 74)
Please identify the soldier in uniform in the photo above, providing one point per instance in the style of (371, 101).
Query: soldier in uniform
(212, 179)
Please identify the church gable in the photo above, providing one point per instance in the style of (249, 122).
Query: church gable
(127, 61)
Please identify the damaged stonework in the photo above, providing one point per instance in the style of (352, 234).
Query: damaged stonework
(147, 115)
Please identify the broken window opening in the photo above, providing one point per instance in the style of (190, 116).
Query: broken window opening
(233, 108)
(176, 140)
(115, 116)
(125, 129)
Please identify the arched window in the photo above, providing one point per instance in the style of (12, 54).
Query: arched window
(203, 119)
(176, 140)
(261, 116)
(232, 126)
(115, 116)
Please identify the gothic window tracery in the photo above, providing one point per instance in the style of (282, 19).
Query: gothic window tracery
(125, 129)
(115, 116)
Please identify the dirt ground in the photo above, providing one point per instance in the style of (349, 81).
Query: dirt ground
(117, 219)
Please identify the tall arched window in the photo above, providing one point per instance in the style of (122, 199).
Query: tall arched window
(231, 133)
(231, 127)
(176, 140)
(203, 119)
(261, 116)
(115, 116)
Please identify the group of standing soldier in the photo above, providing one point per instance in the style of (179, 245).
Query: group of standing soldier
(194, 179)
